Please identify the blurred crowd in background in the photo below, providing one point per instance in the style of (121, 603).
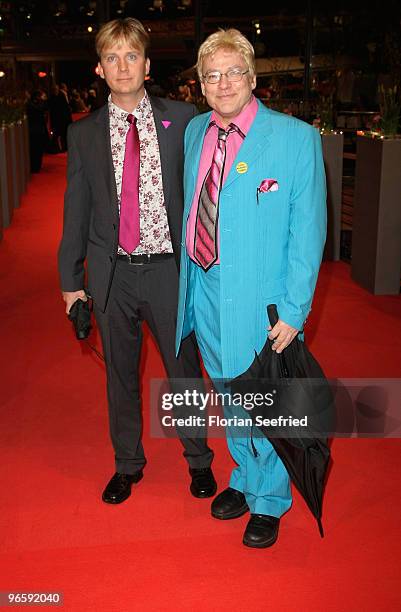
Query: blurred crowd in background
(49, 114)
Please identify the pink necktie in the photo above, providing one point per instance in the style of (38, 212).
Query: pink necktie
(207, 216)
(129, 236)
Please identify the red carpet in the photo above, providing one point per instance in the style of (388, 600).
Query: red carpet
(161, 550)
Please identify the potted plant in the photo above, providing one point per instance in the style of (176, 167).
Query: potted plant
(376, 235)
(389, 111)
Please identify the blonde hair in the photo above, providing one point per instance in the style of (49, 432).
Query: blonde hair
(232, 40)
(130, 30)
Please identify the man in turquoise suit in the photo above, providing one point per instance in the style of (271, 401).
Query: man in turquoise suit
(253, 234)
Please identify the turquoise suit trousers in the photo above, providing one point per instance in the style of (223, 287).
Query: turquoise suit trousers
(260, 476)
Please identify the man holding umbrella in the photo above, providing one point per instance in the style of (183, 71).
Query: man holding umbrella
(253, 234)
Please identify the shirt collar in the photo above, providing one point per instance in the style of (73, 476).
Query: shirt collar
(140, 112)
(243, 120)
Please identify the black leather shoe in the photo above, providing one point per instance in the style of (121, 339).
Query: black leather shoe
(229, 504)
(203, 483)
(261, 531)
(119, 487)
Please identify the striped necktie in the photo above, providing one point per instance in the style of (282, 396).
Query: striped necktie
(205, 250)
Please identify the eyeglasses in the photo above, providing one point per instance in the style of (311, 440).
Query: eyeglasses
(233, 75)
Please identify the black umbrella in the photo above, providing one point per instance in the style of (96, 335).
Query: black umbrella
(299, 390)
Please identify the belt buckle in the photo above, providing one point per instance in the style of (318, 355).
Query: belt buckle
(137, 263)
(133, 263)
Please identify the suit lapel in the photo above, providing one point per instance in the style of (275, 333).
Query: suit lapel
(193, 155)
(160, 114)
(196, 144)
(256, 142)
(104, 159)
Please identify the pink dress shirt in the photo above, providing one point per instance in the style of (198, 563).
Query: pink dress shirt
(244, 121)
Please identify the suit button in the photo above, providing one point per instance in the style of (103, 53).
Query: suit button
(114, 226)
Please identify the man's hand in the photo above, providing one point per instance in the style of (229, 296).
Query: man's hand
(282, 334)
(70, 297)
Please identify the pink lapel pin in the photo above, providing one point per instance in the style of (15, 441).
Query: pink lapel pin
(166, 124)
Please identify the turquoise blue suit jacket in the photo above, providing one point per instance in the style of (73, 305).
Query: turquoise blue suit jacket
(271, 250)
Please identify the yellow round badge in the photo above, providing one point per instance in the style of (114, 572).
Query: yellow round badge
(242, 167)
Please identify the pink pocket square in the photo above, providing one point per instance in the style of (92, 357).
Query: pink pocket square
(166, 124)
(265, 186)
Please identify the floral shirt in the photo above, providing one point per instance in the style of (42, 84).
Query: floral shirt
(154, 229)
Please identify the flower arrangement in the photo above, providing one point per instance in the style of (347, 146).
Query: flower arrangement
(324, 114)
(390, 108)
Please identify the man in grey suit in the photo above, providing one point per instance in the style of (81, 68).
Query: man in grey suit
(123, 216)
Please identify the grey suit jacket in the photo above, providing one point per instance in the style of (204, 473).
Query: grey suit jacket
(91, 219)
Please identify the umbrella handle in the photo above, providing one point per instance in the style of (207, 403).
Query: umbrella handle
(272, 314)
(273, 319)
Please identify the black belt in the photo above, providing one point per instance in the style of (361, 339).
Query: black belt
(140, 260)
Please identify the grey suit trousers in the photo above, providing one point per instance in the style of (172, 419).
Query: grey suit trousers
(140, 293)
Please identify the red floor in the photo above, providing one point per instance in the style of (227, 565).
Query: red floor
(161, 550)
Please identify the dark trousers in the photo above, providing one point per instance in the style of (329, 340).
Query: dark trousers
(139, 293)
